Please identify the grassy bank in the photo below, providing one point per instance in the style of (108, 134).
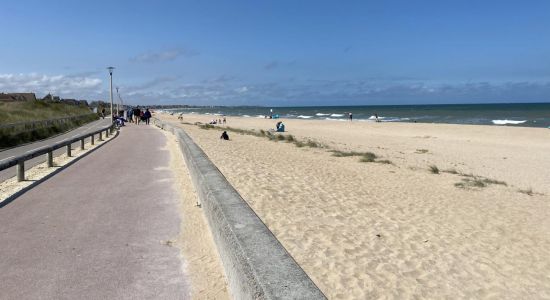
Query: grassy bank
(18, 112)
(28, 111)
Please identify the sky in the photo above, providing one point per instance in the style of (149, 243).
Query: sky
(279, 53)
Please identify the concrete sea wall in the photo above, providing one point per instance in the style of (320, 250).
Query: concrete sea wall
(256, 265)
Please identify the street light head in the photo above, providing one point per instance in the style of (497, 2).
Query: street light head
(110, 70)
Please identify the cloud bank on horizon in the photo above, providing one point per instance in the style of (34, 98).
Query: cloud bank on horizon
(281, 53)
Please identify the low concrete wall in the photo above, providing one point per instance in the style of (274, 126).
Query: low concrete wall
(256, 265)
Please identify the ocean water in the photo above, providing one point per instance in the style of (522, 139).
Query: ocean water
(524, 114)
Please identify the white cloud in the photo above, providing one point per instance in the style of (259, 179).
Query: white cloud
(305, 92)
(80, 87)
(242, 90)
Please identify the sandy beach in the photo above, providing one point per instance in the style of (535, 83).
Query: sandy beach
(201, 261)
(479, 228)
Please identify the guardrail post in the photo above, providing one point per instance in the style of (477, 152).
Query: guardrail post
(92, 139)
(100, 136)
(50, 159)
(21, 170)
(69, 150)
(82, 144)
(107, 133)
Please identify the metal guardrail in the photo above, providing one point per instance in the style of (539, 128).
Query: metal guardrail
(19, 161)
(41, 123)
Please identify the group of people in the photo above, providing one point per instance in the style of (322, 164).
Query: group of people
(218, 121)
(138, 115)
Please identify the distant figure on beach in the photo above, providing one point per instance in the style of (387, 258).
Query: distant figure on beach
(376, 117)
(147, 116)
(180, 117)
(137, 115)
(224, 136)
(280, 127)
(224, 120)
(350, 117)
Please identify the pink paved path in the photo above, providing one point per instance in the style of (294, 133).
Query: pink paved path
(94, 230)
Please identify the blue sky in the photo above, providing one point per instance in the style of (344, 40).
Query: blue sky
(279, 53)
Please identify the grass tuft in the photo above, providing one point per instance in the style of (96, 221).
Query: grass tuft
(433, 169)
(339, 153)
(299, 144)
(368, 157)
(471, 183)
(421, 151)
(384, 161)
(206, 126)
(312, 144)
(528, 191)
(478, 182)
(493, 181)
(290, 138)
(450, 171)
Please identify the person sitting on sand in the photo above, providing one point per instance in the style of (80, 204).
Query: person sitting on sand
(225, 136)
(280, 127)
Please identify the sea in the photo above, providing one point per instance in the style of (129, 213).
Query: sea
(508, 114)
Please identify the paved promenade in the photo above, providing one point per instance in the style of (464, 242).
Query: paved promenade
(97, 230)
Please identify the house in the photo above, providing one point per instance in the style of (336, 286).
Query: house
(12, 97)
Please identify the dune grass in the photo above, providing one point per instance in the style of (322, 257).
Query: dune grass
(368, 157)
(433, 169)
(28, 111)
(528, 192)
(450, 171)
(478, 182)
(276, 137)
(364, 156)
(339, 153)
(10, 138)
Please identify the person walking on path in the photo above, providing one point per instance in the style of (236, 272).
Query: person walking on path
(130, 114)
(137, 114)
(147, 116)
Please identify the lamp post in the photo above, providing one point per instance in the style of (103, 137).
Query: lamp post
(121, 103)
(118, 103)
(111, 90)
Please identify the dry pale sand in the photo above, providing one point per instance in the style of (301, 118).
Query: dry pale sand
(371, 230)
(202, 264)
